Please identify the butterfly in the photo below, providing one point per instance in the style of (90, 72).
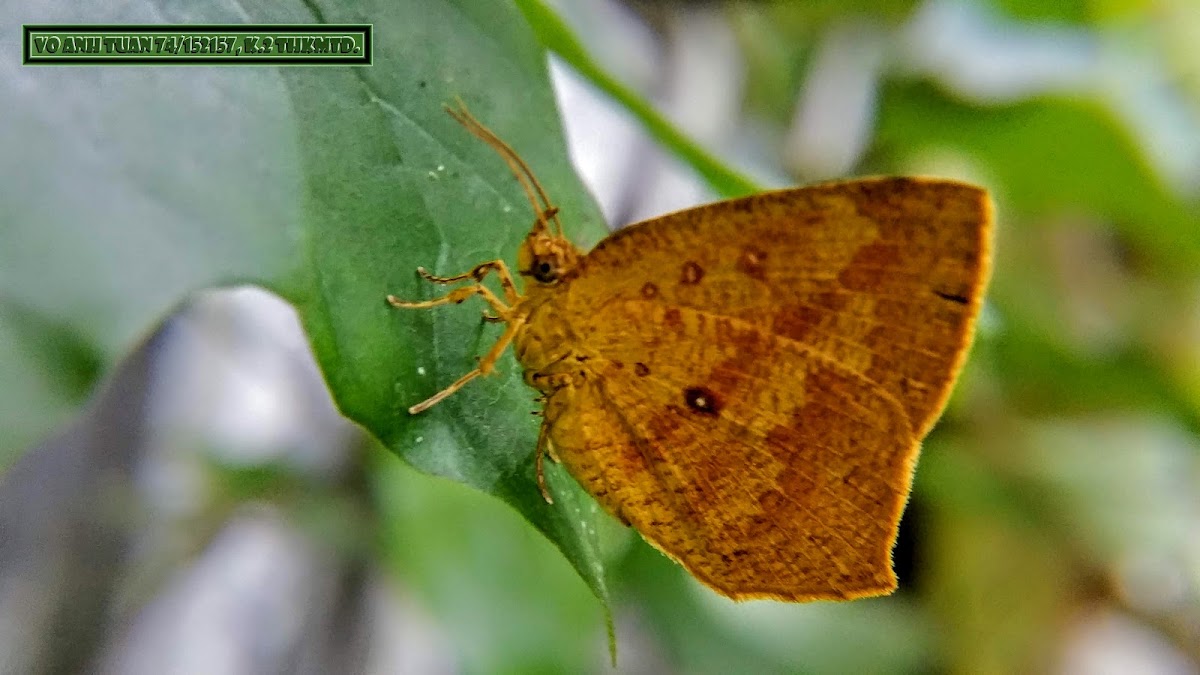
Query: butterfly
(746, 383)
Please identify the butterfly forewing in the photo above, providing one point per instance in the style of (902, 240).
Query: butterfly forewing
(884, 276)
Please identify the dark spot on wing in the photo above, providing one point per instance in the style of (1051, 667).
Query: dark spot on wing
(702, 400)
(952, 297)
(752, 263)
(692, 273)
(672, 318)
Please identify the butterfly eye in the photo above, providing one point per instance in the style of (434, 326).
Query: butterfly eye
(545, 272)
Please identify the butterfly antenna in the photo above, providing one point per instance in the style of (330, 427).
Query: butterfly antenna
(533, 189)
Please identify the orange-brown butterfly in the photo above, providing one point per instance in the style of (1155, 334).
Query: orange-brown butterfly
(747, 383)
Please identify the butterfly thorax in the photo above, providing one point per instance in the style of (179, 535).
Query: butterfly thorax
(548, 262)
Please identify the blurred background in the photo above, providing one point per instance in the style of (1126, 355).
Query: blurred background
(210, 512)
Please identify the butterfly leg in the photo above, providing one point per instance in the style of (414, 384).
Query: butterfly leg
(543, 446)
(507, 283)
(456, 296)
(477, 273)
(486, 365)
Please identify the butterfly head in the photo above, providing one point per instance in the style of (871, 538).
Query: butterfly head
(546, 256)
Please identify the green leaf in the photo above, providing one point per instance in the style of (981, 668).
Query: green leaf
(329, 186)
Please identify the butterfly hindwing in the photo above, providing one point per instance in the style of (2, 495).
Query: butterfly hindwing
(761, 491)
